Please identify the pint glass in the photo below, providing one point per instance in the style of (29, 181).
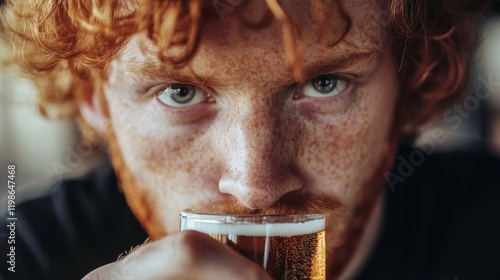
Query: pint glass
(287, 246)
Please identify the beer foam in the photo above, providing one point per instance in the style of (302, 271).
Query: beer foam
(285, 229)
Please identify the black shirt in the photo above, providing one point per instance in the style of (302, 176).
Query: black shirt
(76, 227)
(441, 221)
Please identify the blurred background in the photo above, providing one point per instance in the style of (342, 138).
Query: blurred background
(45, 151)
(474, 124)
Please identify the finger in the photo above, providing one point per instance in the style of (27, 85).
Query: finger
(187, 255)
(215, 260)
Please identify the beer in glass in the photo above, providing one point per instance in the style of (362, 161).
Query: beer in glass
(287, 246)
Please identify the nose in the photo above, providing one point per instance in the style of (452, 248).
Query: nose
(259, 157)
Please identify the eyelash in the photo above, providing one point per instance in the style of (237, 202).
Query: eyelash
(350, 84)
(180, 112)
(340, 98)
(305, 101)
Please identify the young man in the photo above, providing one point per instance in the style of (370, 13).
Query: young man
(256, 107)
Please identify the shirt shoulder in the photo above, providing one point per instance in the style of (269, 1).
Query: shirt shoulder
(80, 224)
(440, 217)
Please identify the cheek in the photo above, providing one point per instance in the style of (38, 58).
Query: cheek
(162, 161)
(340, 153)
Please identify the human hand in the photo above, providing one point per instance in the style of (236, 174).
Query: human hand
(186, 255)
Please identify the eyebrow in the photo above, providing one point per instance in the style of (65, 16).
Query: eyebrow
(153, 70)
(345, 62)
(340, 62)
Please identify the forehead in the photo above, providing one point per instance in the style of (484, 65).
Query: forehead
(248, 39)
(318, 22)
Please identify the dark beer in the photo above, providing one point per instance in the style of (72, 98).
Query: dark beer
(285, 250)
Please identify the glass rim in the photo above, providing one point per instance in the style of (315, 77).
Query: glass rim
(249, 218)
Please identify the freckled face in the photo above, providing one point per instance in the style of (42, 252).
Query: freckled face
(232, 128)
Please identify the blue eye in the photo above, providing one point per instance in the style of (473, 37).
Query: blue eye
(324, 86)
(181, 95)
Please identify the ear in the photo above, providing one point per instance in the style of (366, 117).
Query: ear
(91, 108)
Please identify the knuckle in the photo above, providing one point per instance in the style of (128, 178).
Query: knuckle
(190, 246)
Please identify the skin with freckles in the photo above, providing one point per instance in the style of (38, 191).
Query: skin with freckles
(250, 139)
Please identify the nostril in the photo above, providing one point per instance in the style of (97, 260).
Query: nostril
(250, 197)
(258, 194)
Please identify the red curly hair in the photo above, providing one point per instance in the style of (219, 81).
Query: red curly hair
(71, 42)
